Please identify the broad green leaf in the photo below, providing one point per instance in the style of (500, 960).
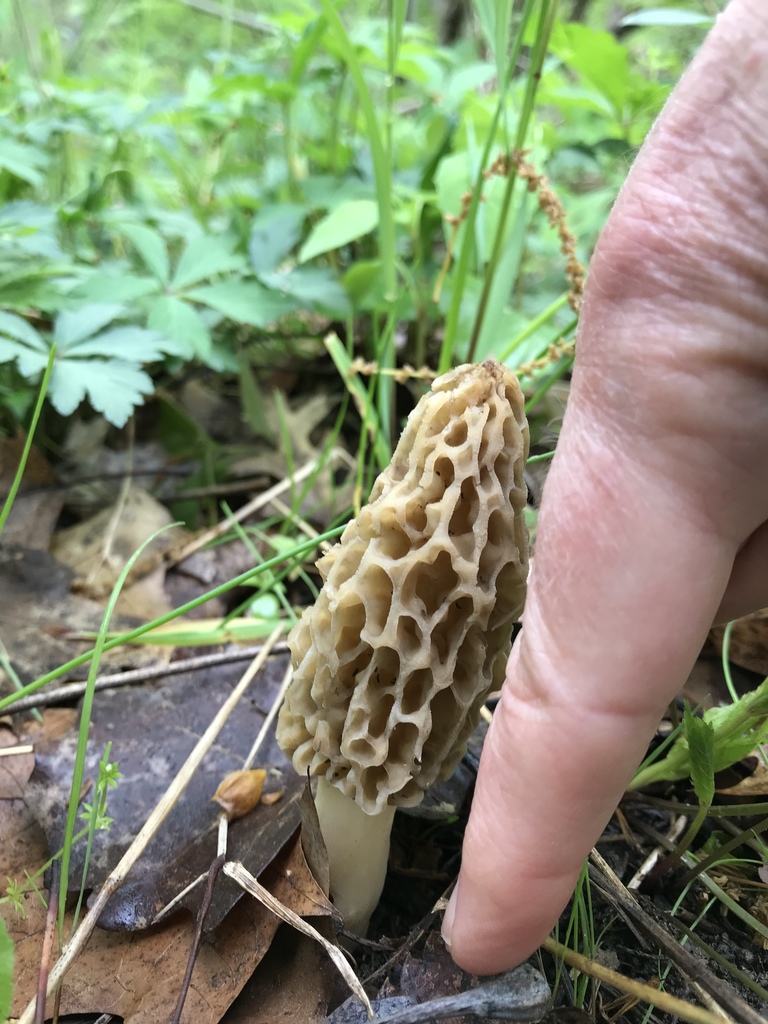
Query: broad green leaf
(134, 344)
(181, 324)
(274, 232)
(361, 279)
(700, 737)
(246, 302)
(151, 247)
(665, 17)
(23, 161)
(598, 57)
(13, 326)
(6, 972)
(75, 325)
(106, 284)
(350, 220)
(113, 387)
(203, 258)
(315, 287)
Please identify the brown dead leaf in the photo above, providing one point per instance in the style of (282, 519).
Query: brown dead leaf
(152, 729)
(294, 982)
(118, 972)
(37, 612)
(38, 502)
(99, 547)
(15, 769)
(756, 783)
(748, 645)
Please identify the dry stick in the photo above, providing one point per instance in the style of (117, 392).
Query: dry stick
(69, 691)
(174, 557)
(213, 873)
(163, 808)
(50, 928)
(164, 911)
(676, 830)
(690, 966)
(644, 993)
(246, 881)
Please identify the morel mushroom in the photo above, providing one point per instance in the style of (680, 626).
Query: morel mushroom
(413, 625)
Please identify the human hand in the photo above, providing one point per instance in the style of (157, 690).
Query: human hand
(654, 520)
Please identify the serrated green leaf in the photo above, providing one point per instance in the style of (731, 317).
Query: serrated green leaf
(349, 221)
(134, 344)
(151, 248)
(700, 737)
(313, 287)
(74, 325)
(246, 302)
(274, 232)
(6, 972)
(121, 288)
(203, 258)
(181, 324)
(16, 327)
(30, 362)
(113, 387)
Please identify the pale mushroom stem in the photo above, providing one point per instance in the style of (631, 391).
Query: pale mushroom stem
(358, 849)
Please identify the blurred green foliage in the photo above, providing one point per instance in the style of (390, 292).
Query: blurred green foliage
(194, 182)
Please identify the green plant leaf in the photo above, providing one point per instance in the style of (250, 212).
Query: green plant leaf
(151, 247)
(203, 258)
(6, 972)
(246, 302)
(134, 344)
(598, 58)
(181, 324)
(110, 284)
(74, 325)
(700, 737)
(12, 326)
(114, 387)
(361, 279)
(350, 220)
(274, 232)
(313, 287)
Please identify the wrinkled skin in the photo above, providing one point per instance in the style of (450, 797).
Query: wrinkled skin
(654, 521)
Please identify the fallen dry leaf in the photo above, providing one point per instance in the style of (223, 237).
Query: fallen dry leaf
(748, 645)
(37, 612)
(119, 972)
(99, 547)
(15, 769)
(38, 502)
(152, 728)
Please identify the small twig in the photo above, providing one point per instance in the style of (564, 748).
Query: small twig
(50, 929)
(213, 873)
(643, 993)
(246, 881)
(271, 715)
(676, 830)
(24, 748)
(162, 809)
(69, 691)
(223, 527)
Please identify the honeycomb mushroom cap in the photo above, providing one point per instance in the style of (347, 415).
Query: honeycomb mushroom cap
(412, 627)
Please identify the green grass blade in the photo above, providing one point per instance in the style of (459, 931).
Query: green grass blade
(8, 504)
